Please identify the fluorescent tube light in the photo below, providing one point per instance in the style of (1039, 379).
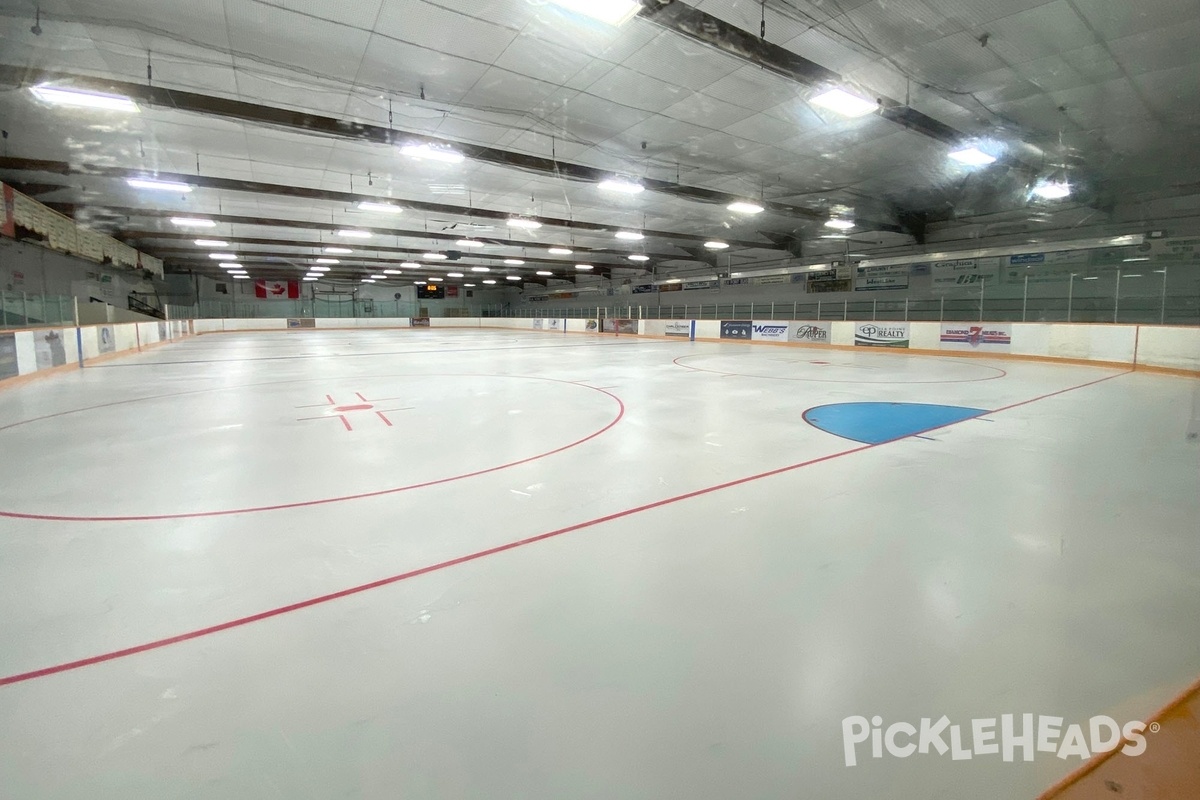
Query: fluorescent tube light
(611, 12)
(844, 103)
(745, 208)
(432, 153)
(973, 157)
(158, 186)
(624, 187)
(382, 208)
(83, 99)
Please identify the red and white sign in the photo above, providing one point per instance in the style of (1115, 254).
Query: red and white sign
(277, 290)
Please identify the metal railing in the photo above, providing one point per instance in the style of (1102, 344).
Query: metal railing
(1175, 310)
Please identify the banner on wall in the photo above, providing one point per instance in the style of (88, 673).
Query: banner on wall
(881, 334)
(876, 283)
(689, 285)
(277, 290)
(538, 324)
(679, 328)
(50, 349)
(965, 272)
(769, 331)
(737, 330)
(811, 332)
(820, 287)
(420, 322)
(555, 324)
(8, 355)
(995, 338)
(304, 322)
(770, 280)
(620, 326)
(106, 339)
(8, 224)
(646, 288)
(670, 287)
(592, 326)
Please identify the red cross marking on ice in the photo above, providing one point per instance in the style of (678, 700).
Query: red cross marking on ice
(342, 411)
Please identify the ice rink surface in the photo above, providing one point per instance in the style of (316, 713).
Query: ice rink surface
(500, 564)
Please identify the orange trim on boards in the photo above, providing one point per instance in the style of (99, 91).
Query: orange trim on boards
(1168, 769)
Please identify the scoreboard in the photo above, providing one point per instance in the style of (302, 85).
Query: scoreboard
(431, 291)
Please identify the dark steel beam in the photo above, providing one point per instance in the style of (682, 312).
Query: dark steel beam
(315, 124)
(329, 195)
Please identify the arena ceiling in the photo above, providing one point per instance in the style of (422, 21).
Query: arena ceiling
(277, 119)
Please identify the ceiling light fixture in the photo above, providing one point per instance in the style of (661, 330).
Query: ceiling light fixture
(527, 224)
(411, 265)
(973, 157)
(328, 261)
(158, 186)
(745, 208)
(490, 282)
(345, 251)
(211, 243)
(480, 269)
(512, 277)
(638, 257)
(379, 277)
(844, 103)
(223, 256)
(230, 265)
(470, 243)
(513, 262)
(469, 285)
(428, 151)
(622, 186)
(240, 277)
(368, 280)
(82, 99)
(544, 272)
(1052, 190)
(392, 272)
(318, 269)
(611, 12)
(584, 267)
(839, 224)
(434, 280)
(193, 222)
(714, 245)
(560, 251)
(353, 234)
(307, 279)
(434, 256)
(454, 274)
(382, 208)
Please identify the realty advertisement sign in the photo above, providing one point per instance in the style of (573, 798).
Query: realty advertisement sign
(992, 337)
(679, 328)
(881, 334)
(769, 332)
(811, 332)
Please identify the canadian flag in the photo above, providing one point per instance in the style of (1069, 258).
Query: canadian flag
(277, 290)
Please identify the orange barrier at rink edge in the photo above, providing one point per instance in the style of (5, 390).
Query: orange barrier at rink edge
(1168, 770)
